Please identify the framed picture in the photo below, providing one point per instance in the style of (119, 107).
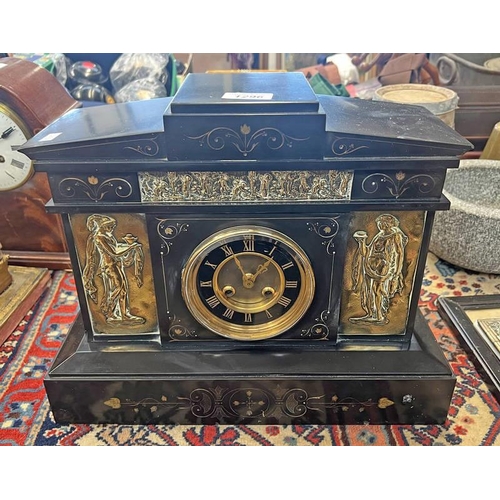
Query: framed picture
(476, 321)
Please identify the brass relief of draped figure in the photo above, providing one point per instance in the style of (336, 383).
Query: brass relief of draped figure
(116, 276)
(382, 254)
(377, 270)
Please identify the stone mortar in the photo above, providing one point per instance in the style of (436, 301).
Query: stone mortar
(468, 235)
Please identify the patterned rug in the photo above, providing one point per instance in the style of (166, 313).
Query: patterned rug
(26, 419)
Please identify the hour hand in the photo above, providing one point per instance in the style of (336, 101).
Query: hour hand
(6, 133)
(262, 269)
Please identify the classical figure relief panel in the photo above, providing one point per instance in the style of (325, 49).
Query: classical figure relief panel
(115, 263)
(381, 258)
(252, 186)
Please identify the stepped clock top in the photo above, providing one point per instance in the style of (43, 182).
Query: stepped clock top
(213, 111)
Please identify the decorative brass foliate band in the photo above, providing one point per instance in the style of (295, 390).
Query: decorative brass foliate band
(252, 186)
(381, 259)
(113, 251)
(244, 141)
(396, 186)
(94, 188)
(249, 402)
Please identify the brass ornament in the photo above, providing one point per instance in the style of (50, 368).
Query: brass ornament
(245, 186)
(377, 271)
(113, 251)
(109, 258)
(247, 283)
(380, 265)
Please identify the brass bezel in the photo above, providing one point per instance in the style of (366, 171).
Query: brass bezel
(268, 330)
(6, 110)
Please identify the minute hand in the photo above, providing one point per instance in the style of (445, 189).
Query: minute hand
(240, 267)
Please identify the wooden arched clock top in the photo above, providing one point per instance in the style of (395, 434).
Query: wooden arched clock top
(31, 98)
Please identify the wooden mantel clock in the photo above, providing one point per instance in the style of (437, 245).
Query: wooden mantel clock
(248, 252)
(30, 99)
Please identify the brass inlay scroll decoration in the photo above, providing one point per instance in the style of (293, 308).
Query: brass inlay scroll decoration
(326, 230)
(109, 259)
(244, 142)
(343, 146)
(250, 402)
(145, 147)
(178, 331)
(251, 186)
(320, 330)
(377, 271)
(399, 185)
(168, 231)
(94, 188)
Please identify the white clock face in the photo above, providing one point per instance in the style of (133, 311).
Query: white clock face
(15, 167)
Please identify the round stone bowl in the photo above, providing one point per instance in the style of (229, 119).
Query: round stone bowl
(468, 235)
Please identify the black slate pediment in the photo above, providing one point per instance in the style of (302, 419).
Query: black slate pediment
(130, 130)
(358, 127)
(355, 128)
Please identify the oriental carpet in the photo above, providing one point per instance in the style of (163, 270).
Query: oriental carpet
(26, 419)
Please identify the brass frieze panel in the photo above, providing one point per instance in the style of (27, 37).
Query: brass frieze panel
(245, 186)
(114, 257)
(381, 259)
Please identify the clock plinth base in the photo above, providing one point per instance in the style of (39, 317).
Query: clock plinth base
(145, 384)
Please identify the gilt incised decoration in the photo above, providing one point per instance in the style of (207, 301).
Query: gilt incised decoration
(168, 231)
(344, 146)
(94, 188)
(320, 329)
(145, 147)
(398, 185)
(250, 402)
(245, 141)
(326, 229)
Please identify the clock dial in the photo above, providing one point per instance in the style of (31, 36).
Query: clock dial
(15, 167)
(248, 283)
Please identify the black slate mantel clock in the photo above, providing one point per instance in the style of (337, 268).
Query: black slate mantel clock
(248, 252)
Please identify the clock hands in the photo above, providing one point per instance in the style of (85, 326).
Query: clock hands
(249, 278)
(240, 267)
(262, 268)
(6, 133)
